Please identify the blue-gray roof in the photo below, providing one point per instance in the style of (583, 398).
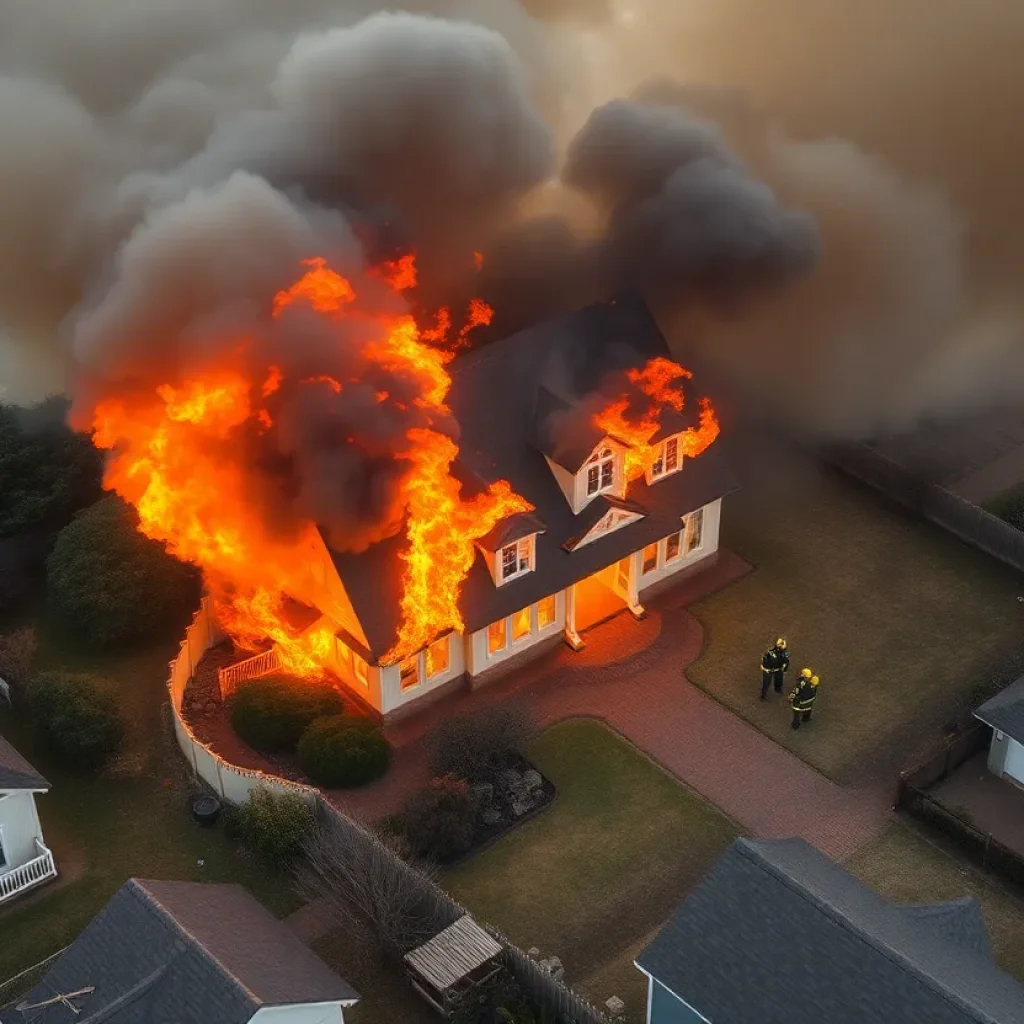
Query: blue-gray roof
(180, 953)
(777, 933)
(1005, 711)
(16, 772)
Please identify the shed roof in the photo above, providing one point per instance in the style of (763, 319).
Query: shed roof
(1005, 711)
(16, 772)
(453, 953)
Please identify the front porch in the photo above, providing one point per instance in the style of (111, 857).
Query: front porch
(36, 871)
(599, 597)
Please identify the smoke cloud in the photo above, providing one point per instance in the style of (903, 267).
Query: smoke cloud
(831, 216)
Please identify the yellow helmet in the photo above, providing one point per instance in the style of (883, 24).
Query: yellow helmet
(815, 680)
(806, 673)
(781, 642)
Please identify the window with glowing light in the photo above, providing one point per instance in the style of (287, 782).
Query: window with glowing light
(496, 638)
(344, 654)
(438, 657)
(410, 672)
(650, 558)
(521, 624)
(516, 558)
(694, 530)
(546, 611)
(361, 669)
(600, 472)
(668, 459)
(673, 546)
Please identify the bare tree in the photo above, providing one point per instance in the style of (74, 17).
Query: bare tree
(364, 881)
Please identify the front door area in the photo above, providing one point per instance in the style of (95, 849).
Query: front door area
(602, 595)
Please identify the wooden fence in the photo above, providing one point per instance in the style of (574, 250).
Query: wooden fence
(235, 784)
(970, 523)
(258, 665)
(912, 796)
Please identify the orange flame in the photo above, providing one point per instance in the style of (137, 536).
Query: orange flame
(174, 456)
(660, 380)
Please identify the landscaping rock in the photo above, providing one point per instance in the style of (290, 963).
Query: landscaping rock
(484, 794)
(520, 807)
(616, 1007)
(490, 816)
(533, 951)
(553, 966)
(532, 779)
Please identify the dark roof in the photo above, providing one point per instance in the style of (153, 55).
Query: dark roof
(777, 933)
(16, 772)
(523, 524)
(494, 394)
(182, 953)
(1005, 711)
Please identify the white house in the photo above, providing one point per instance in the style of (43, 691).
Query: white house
(596, 542)
(1004, 713)
(191, 953)
(25, 860)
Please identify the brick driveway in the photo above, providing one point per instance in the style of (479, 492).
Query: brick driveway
(632, 676)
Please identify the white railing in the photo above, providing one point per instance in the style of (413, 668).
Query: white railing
(252, 668)
(31, 873)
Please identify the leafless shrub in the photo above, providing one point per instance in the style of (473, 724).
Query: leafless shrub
(17, 650)
(476, 746)
(364, 881)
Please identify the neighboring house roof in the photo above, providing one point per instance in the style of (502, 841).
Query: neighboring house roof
(182, 952)
(494, 395)
(1005, 711)
(777, 933)
(16, 772)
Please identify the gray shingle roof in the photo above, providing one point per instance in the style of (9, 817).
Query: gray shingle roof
(182, 953)
(778, 934)
(16, 772)
(1005, 711)
(494, 394)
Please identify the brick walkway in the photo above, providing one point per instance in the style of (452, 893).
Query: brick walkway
(632, 676)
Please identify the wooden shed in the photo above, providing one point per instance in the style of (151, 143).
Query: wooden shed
(453, 963)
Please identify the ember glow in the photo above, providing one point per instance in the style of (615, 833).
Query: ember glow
(660, 381)
(178, 455)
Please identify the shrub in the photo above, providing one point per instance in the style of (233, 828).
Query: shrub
(76, 718)
(17, 650)
(438, 822)
(476, 746)
(271, 713)
(274, 826)
(109, 583)
(339, 751)
(1009, 506)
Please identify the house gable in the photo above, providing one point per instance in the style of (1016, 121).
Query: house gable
(614, 519)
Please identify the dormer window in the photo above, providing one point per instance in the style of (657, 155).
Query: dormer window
(667, 460)
(516, 559)
(600, 472)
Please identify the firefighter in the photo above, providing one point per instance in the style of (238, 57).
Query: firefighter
(809, 698)
(774, 665)
(801, 700)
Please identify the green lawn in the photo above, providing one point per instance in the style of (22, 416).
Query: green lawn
(898, 618)
(600, 869)
(906, 868)
(133, 820)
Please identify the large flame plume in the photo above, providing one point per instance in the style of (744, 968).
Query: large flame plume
(178, 456)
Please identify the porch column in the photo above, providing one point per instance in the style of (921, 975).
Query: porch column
(572, 638)
(632, 591)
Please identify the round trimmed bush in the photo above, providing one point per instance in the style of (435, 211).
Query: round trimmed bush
(340, 751)
(439, 822)
(77, 718)
(271, 713)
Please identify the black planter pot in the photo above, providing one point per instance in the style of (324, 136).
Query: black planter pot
(206, 810)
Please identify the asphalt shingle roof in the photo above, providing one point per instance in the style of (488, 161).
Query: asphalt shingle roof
(1005, 711)
(181, 953)
(777, 933)
(494, 397)
(16, 772)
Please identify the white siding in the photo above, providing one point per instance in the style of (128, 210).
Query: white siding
(1014, 763)
(392, 695)
(19, 828)
(708, 546)
(300, 1013)
(618, 489)
(344, 665)
(479, 658)
(328, 591)
(565, 480)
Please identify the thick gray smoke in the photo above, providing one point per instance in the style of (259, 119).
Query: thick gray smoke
(171, 162)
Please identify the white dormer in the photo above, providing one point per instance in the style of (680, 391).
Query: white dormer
(515, 559)
(604, 472)
(510, 549)
(668, 460)
(614, 519)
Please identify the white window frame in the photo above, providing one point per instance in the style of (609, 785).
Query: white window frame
(422, 674)
(679, 535)
(447, 639)
(532, 633)
(601, 460)
(668, 451)
(697, 516)
(644, 571)
(416, 660)
(553, 598)
(524, 551)
(350, 660)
